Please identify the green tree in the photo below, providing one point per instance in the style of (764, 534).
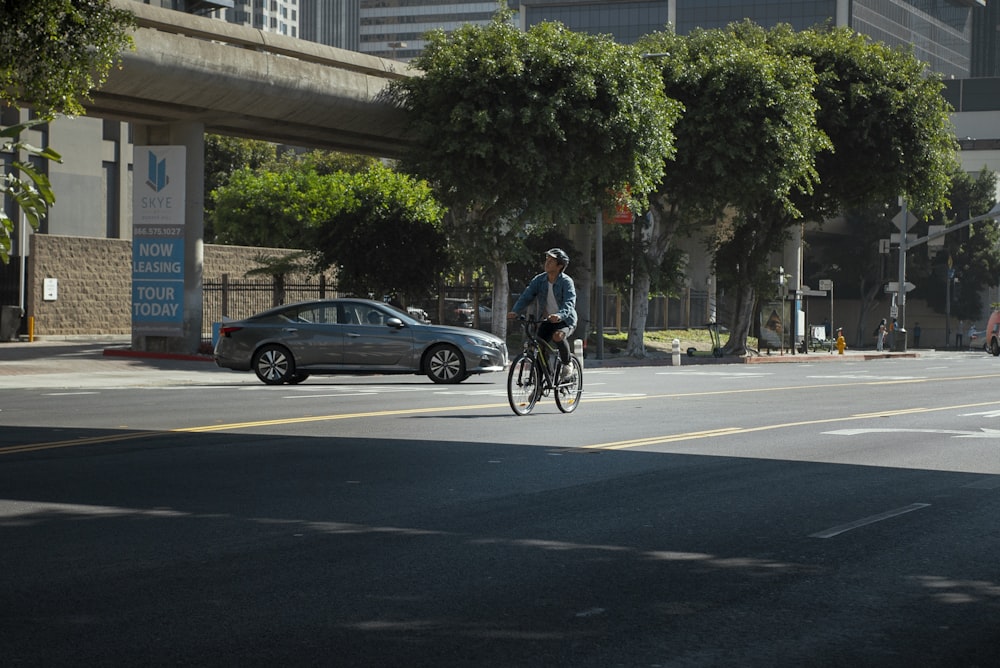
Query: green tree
(747, 143)
(517, 130)
(28, 187)
(891, 134)
(384, 236)
(974, 251)
(53, 52)
(886, 118)
(225, 155)
(270, 209)
(873, 126)
(378, 228)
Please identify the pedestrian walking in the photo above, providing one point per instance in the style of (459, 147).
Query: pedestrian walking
(880, 335)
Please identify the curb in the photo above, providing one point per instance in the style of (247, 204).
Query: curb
(128, 352)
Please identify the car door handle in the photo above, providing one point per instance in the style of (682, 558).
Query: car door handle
(290, 330)
(353, 334)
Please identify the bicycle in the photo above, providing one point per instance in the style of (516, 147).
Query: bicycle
(537, 371)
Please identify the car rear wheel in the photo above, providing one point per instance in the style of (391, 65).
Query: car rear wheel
(445, 364)
(274, 365)
(995, 348)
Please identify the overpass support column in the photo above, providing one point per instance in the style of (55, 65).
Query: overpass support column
(192, 137)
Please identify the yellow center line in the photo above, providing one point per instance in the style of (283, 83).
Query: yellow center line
(321, 418)
(730, 431)
(652, 440)
(615, 445)
(110, 438)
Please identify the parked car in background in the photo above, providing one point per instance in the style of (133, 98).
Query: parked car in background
(288, 343)
(418, 314)
(458, 312)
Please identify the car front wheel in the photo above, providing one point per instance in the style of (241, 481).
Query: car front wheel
(274, 365)
(445, 364)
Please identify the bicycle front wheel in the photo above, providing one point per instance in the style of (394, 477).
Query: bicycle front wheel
(523, 384)
(569, 390)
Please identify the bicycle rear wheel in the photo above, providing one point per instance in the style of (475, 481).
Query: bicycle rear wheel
(523, 384)
(569, 391)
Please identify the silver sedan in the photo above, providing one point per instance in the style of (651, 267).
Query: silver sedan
(353, 336)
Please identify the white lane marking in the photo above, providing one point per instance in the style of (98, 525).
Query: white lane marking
(728, 374)
(990, 414)
(889, 514)
(866, 377)
(983, 433)
(66, 394)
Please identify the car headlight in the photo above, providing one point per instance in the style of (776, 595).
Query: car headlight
(477, 341)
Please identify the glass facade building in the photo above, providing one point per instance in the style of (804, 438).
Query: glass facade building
(939, 31)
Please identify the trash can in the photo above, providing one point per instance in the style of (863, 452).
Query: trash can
(899, 344)
(10, 322)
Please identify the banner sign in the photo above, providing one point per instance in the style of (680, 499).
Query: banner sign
(158, 240)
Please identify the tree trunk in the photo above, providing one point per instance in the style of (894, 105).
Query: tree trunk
(743, 319)
(636, 344)
(501, 291)
(656, 231)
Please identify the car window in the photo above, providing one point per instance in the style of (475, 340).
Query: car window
(372, 316)
(349, 315)
(318, 314)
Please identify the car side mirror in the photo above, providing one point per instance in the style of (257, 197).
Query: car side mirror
(394, 322)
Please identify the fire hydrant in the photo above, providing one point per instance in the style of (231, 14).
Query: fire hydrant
(841, 343)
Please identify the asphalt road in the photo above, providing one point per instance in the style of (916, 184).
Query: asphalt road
(805, 514)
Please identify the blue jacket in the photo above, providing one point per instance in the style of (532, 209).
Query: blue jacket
(538, 290)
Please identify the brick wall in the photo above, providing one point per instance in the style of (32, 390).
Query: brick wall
(94, 281)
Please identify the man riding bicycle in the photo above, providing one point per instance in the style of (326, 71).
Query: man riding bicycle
(554, 294)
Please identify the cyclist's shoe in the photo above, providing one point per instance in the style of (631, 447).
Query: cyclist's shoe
(566, 374)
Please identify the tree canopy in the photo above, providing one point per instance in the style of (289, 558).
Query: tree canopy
(782, 127)
(54, 52)
(746, 143)
(378, 228)
(27, 186)
(518, 128)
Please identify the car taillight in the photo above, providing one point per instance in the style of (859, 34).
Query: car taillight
(226, 331)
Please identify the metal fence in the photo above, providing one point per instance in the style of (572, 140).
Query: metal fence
(233, 299)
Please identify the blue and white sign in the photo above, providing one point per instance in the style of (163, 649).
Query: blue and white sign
(158, 199)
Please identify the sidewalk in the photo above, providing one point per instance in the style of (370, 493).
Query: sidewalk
(103, 361)
(108, 361)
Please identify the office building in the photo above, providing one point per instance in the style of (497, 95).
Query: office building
(396, 28)
(280, 16)
(940, 31)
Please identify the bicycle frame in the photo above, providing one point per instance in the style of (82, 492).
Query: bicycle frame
(537, 371)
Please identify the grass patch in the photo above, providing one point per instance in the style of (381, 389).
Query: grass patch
(662, 339)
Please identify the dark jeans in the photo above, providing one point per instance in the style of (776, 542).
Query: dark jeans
(547, 329)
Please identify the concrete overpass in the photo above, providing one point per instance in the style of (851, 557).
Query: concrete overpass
(190, 75)
(240, 81)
